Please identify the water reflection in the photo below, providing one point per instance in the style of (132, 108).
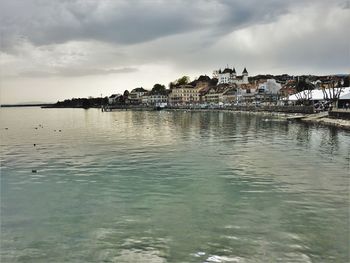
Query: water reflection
(329, 140)
(172, 187)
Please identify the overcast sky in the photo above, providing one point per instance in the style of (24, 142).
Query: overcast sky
(51, 50)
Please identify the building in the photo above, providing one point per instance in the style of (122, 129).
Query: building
(246, 93)
(344, 98)
(183, 95)
(229, 76)
(114, 98)
(288, 89)
(144, 98)
(157, 99)
(222, 93)
(229, 96)
(135, 96)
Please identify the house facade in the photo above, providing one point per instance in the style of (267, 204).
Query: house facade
(184, 94)
(157, 99)
(246, 93)
(113, 99)
(222, 93)
(135, 95)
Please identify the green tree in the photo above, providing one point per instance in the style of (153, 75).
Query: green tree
(126, 94)
(158, 89)
(171, 85)
(183, 80)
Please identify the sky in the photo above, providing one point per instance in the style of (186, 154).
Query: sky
(52, 50)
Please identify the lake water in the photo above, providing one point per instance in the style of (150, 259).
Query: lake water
(171, 187)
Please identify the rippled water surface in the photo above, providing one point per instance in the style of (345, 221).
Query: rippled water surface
(171, 187)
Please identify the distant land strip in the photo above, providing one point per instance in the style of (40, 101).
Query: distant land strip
(26, 105)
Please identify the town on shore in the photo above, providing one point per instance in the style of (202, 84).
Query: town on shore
(227, 89)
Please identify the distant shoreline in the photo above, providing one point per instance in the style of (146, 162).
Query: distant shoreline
(25, 105)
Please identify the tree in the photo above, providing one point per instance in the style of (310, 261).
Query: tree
(86, 103)
(126, 94)
(304, 90)
(171, 85)
(158, 89)
(333, 92)
(183, 80)
(346, 81)
(125, 97)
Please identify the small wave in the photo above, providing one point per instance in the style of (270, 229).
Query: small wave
(198, 254)
(215, 258)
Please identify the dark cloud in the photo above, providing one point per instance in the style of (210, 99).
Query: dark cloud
(240, 14)
(128, 22)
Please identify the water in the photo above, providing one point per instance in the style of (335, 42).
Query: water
(171, 187)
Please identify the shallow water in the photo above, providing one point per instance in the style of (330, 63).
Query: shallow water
(171, 187)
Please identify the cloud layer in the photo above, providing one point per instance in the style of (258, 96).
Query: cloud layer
(77, 38)
(130, 22)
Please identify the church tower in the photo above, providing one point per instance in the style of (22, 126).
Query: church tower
(245, 76)
(234, 72)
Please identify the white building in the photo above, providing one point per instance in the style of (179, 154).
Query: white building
(229, 76)
(135, 95)
(138, 92)
(157, 99)
(113, 98)
(144, 99)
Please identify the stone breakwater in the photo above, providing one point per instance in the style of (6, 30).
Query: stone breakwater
(325, 118)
